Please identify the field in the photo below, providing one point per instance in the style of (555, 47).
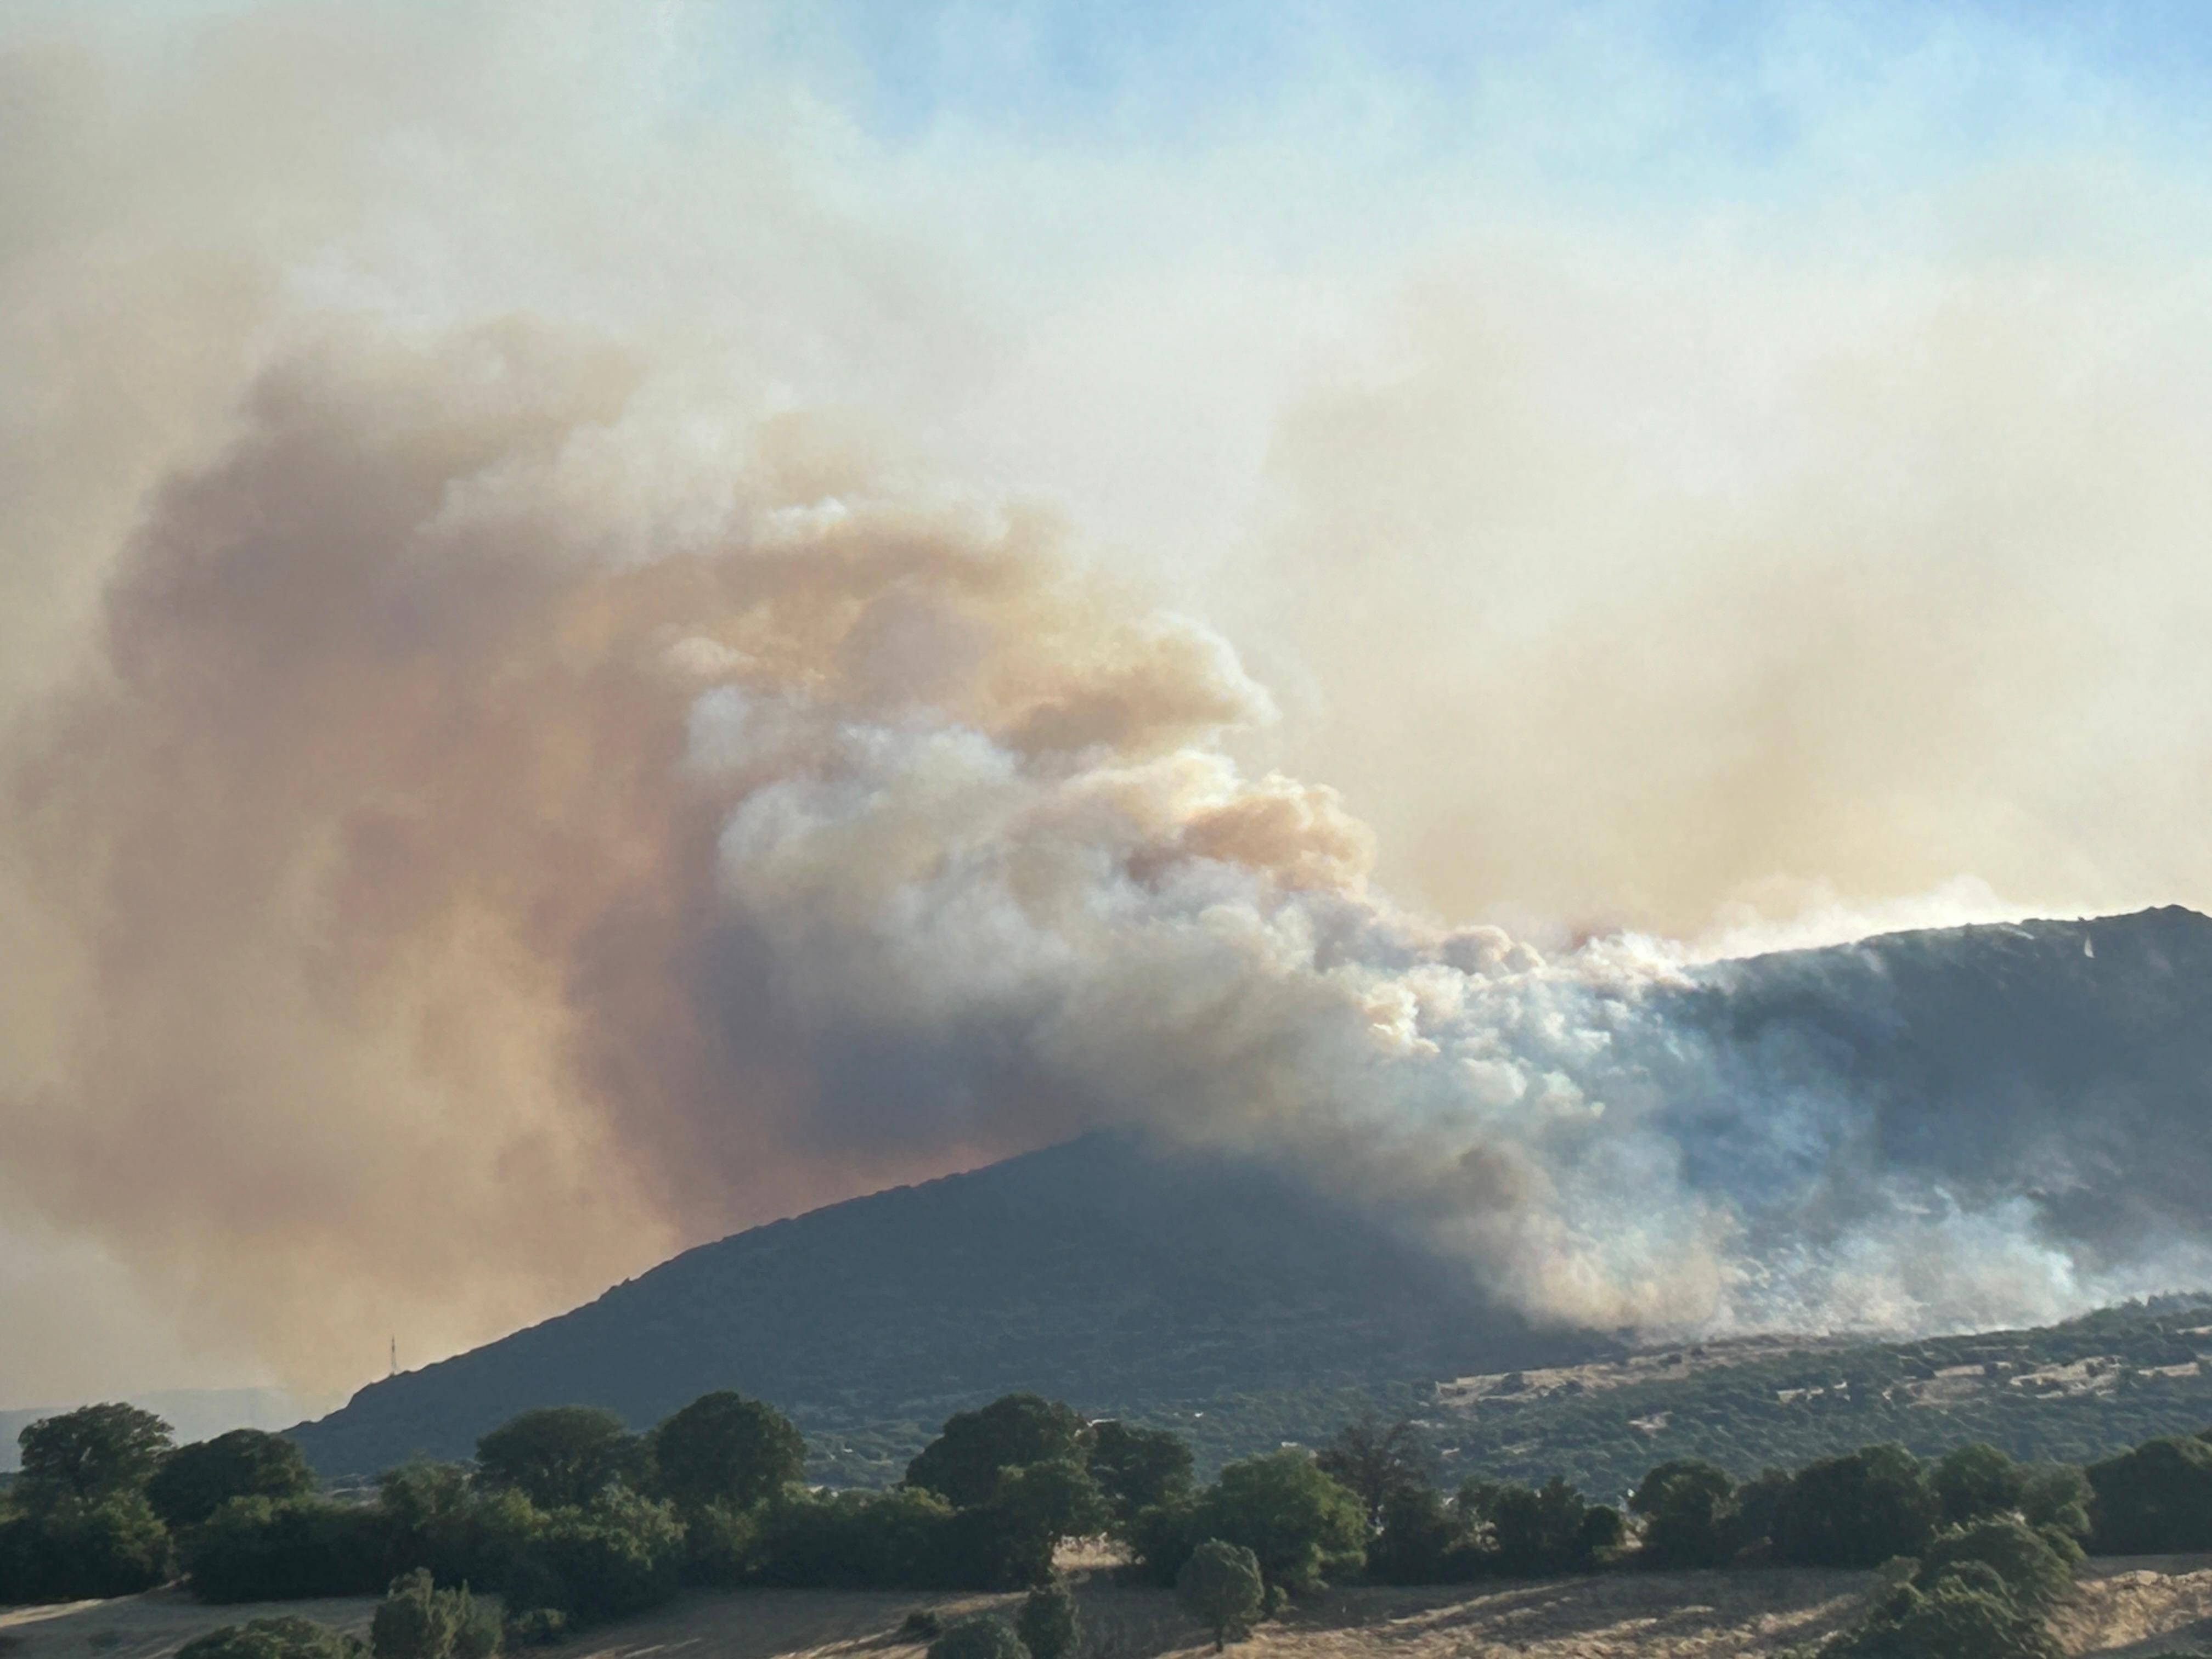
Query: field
(2125, 1608)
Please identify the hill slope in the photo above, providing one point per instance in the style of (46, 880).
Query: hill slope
(2067, 1064)
(1094, 1271)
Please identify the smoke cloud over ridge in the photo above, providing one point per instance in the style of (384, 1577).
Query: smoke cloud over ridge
(565, 693)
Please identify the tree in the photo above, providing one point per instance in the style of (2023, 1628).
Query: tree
(1857, 1510)
(1034, 1507)
(1373, 1461)
(1137, 1469)
(1049, 1624)
(1688, 1511)
(1977, 1481)
(193, 1481)
(1221, 1586)
(621, 1555)
(72, 1550)
(274, 1638)
(2056, 1499)
(1300, 1524)
(89, 1453)
(560, 1455)
(2034, 1574)
(725, 1448)
(2155, 1499)
(1538, 1533)
(261, 1549)
(962, 1464)
(1423, 1542)
(982, 1637)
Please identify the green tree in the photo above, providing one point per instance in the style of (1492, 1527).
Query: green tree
(1048, 1623)
(982, 1637)
(89, 1453)
(1137, 1469)
(1302, 1525)
(560, 1455)
(1222, 1587)
(74, 1549)
(260, 1549)
(1857, 1510)
(2035, 1575)
(193, 1481)
(2056, 1499)
(274, 1638)
(1977, 1481)
(1534, 1533)
(725, 1448)
(1688, 1509)
(1375, 1460)
(621, 1555)
(962, 1464)
(2155, 1499)
(1423, 1542)
(1036, 1506)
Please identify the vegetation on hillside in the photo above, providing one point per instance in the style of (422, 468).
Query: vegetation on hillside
(573, 1520)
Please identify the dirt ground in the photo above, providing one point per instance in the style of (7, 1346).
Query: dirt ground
(2128, 1607)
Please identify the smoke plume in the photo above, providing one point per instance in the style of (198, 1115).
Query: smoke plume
(539, 733)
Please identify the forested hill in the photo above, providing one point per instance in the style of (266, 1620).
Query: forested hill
(1091, 1271)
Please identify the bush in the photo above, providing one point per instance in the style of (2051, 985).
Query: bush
(1688, 1511)
(897, 1540)
(1965, 1615)
(721, 1547)
(1422, 1542)
(622, 1555)
(1857, 1510)
(1221, 1586)
(194, 1481)
(74, 1549)
(1536, 1533)
(256, 1549)
(274, 1638)
(921, 1622)
(985, 1637)
(1977, 1481)
(417, 1620)
(1049, 1624)
(2154, 1499)
(535, 1627)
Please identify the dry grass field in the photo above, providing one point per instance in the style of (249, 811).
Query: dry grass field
(2125, 1608)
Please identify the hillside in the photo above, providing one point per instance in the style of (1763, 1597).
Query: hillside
(2067, 1065)
(2073, 1392)
(1094, 1272)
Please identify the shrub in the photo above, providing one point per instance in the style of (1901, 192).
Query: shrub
(721, 1547)
(1857, 1510)
(1221, 1586)
(1049, 1624)
(1422, 1542)
(622, 1555)
(257, 1549)
(985, 1637)
(2155, 1499)
(417, 1620)
(274, 1638)
(921, 1622)
(194, 1481)
(858, 1540)
(1977, 1481)
(1688, 1511)
(1536, 1534)
(74, 1549)
(535, 1627)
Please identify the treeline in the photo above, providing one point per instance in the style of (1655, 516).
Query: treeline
(570, 1518)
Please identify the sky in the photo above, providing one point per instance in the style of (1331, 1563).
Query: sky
(1714, 475)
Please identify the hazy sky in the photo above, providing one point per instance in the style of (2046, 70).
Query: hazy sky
(1719, 471)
